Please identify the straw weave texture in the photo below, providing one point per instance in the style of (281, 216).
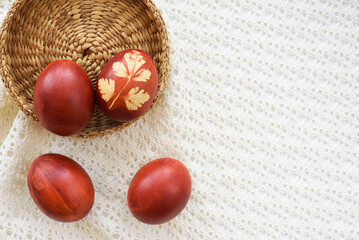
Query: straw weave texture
(37, 32)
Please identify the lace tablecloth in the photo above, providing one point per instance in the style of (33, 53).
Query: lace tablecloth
(262, 107)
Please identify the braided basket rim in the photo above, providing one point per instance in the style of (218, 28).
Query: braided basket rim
(23, 104)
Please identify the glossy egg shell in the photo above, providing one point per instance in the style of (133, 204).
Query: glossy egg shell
(64, 98)
(60, 187)
(127, 85)
(159, 191)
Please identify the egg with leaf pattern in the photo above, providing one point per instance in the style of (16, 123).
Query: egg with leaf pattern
(127, 85)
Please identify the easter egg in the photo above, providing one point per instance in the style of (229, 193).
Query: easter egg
(127, 85)
(159, 191)
(60, 187)
(64, 98)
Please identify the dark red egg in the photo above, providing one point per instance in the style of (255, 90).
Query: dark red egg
(64, 98)
(159, 191)
(127, 85)
(60, 187)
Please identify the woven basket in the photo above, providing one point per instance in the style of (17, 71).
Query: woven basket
(90, 32)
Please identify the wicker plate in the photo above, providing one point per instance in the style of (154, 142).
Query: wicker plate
(37, 32)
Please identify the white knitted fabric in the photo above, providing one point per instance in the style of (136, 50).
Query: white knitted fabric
(262, 107)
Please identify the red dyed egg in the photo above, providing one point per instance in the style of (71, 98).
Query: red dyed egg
(64, 98)
(60, 187)
(159, 191)
(127, 85)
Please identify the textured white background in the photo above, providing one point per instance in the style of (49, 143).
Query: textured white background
(262, 106)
